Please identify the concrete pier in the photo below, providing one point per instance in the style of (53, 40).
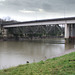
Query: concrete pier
(72, 33)
(4, 34)
(67, 33)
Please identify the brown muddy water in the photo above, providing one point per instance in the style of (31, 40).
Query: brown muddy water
(13, 53)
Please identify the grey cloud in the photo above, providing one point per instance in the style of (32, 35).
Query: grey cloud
(49, 6)
(69, 2)
(46, 5)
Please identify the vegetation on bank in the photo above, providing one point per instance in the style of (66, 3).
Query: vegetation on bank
(63, 65)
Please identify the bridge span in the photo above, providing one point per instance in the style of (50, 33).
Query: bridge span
(68, 22)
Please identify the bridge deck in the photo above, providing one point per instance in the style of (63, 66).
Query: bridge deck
(68, 20)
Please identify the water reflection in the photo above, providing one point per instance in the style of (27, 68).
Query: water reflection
(69, 46)
(15, 53)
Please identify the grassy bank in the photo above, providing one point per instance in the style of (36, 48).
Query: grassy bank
(64, 65)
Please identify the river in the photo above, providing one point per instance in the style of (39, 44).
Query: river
(13, 53)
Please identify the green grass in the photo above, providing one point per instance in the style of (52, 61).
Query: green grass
(63, 65)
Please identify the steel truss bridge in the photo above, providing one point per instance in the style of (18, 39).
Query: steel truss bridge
(35, 31)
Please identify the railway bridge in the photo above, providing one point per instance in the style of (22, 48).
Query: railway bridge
(69, 24)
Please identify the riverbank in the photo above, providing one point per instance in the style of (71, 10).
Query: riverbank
(28, 38)
(63, 65)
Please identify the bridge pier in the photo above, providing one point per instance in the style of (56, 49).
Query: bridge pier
(67, 33)
(4, 34)
(72, 33)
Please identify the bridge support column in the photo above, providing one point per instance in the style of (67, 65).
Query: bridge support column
(4, 33)
(66, 33)
(72, 33)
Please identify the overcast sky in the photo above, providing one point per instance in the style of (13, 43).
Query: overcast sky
(25, 10)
